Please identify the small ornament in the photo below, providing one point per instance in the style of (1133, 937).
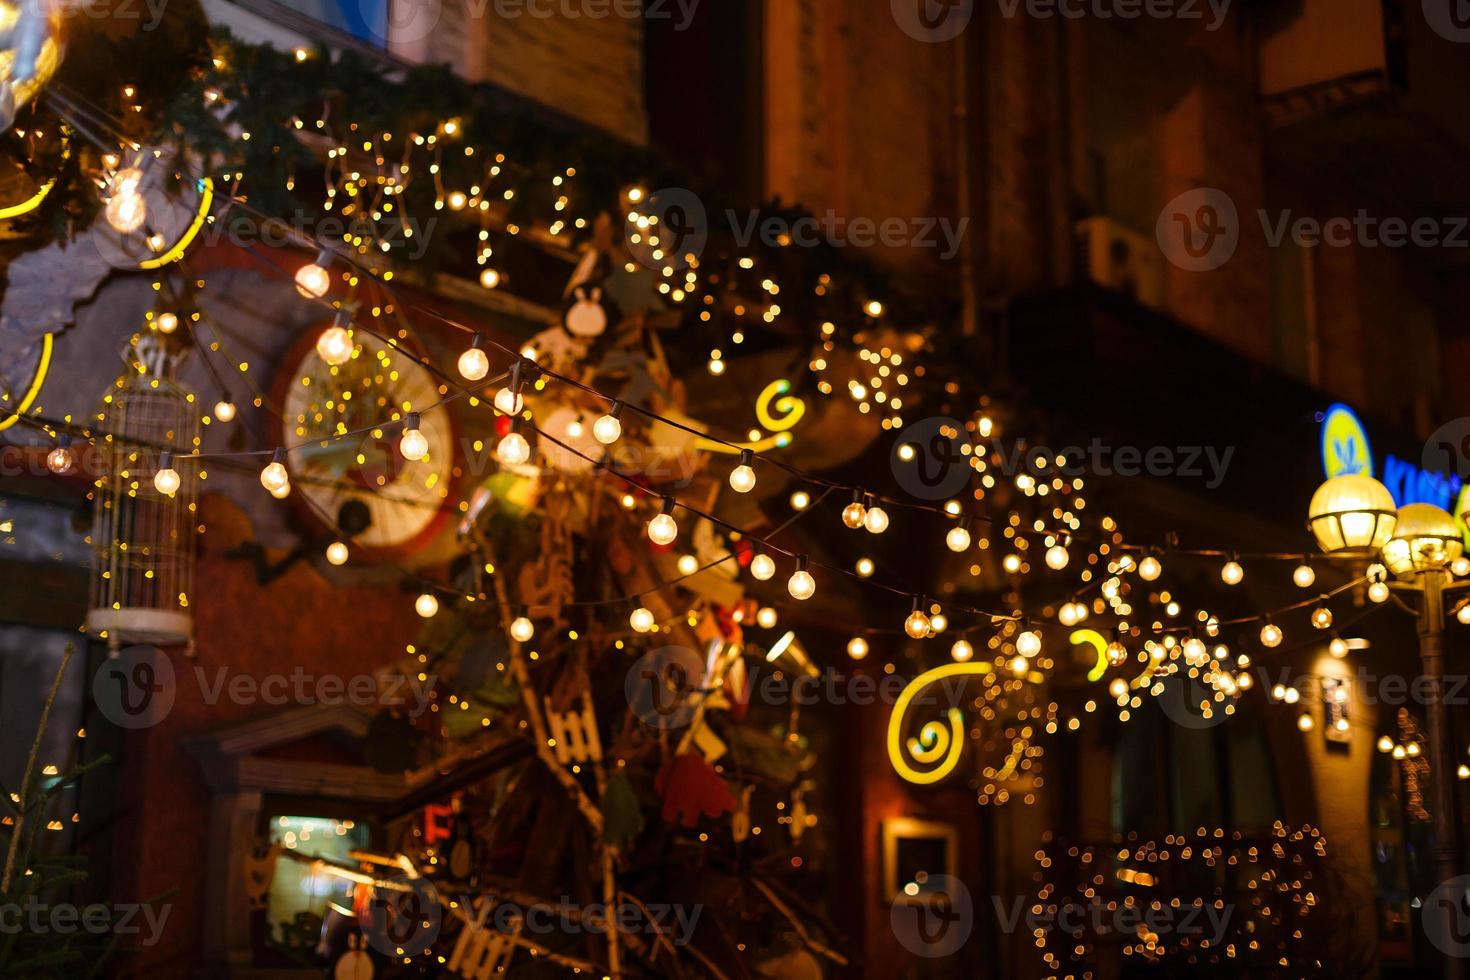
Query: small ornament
(588, 315)
(575, 734)
(355, 964)
(692, 790)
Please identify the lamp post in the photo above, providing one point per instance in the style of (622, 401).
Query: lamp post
(1352, 515)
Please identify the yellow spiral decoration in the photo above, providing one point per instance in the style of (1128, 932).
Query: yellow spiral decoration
(939, 744)
(791, 409)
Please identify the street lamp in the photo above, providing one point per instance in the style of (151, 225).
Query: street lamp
(1352, 515)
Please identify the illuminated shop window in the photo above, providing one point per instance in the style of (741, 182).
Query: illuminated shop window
(302, 896)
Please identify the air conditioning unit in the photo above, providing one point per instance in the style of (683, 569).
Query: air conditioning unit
(1121, 259)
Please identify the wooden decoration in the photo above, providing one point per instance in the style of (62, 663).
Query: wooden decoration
(575, 734)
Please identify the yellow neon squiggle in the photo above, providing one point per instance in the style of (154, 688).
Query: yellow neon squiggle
(28, 205)
(206, 200)
(792, 410)
(1099, 644)
(936, 742)
(38, 379)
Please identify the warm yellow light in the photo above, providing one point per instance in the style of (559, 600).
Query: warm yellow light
(489, 278)
(742, 477)
(60, 460)
(1057, 557)
(876, 519)
(801, 585)
(313, 281)
(426, 605)
(274, 476)
(1338, 647)
(413, 444)
(762, 567)
(857, 648)
(1303, 576)
(917, 624)
(1028, 644)
(958, 538)
(1305, 722)
(766, 618)
(224, 410)
(1352, 514)
(335, 345)
(522, 629)
(1231, 573)
(513, 449)
(663, 529)
(166, 481)
(801, 500)
(1150, 568)
(1271, 635)
(641, 620)
(474, 364)
(853, 514)
(607, 429)
(337, 553)
(1424, 539)
(962, 651)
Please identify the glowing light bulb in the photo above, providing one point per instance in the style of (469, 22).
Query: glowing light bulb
(337, 553)
(412, 444)
(1305, 723)
(1020, 666)
(1378, 592)
(61, 459)
(663, 529)
(1028, 644)
(801, 500)
(426, 605)
(962, 651)
(876, 520)
(938, 623)
(313, 280)
(1460, 567)
(801, 585)
(1195, 653)
(688, 564)
(1067, 615)
(1338, 647)
(608, 429)
(513, 450)
(865, 567)
(641, 620)
(522, 629)
(1057, 557)
(224, 410)
(958, 538)
(126, 209)
(474, 364)
(1322, 617)
(282, 492)
(274, 476)
(489, 278)
(1385, 744)
(1303, 576)
(1117, 654)
(1231, 573)
(166, 481)
(762, 567)
(1463, 613)
(166, 322)
(854, 513)
(742, 477)
(1271, 635)
(335, 345)
(766, 618)
(917, 623)
(1150, 568)
(857, 648)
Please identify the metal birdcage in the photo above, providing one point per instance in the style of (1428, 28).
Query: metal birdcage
(143, 540)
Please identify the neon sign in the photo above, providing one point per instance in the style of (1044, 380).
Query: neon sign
(1345, 449)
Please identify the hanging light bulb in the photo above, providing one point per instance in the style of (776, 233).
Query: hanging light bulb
(1057, 557)
(641, 620)
(474, 364)
(412, 444)
(688, 564)
(1322, 618)
(1463, 613)
(1020, 666)
(1304, 722)
(1117, 654)
(1028, 644)
(766, 617)
(126, 209)
(1195, 652)
(853, 513)
(1150, 568)
(1378, 592)
(762, 566)
(513, 449)
(312, 279)
(522, 629)
(800, 500)
(938, 623)
(1067, 614)
(1304, 576)
(166, 481)
(876, 519)
(1338, 647)
(489, 278)
(864, 567)
(166, 322)
(508, 400)
(1385, 744)
(958, 538)
(1231, 573)
(857, 648)
(801, 585)
(1271, 635)
(426, 605)
(742, 477)
(335, 343)
(917, 624)
(224, 410)
(962, 651)
(1460, 567)
(1011, 563)
(337, 553)
(274, 476)
(608, 429)
(663, 529)
(61, 459)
